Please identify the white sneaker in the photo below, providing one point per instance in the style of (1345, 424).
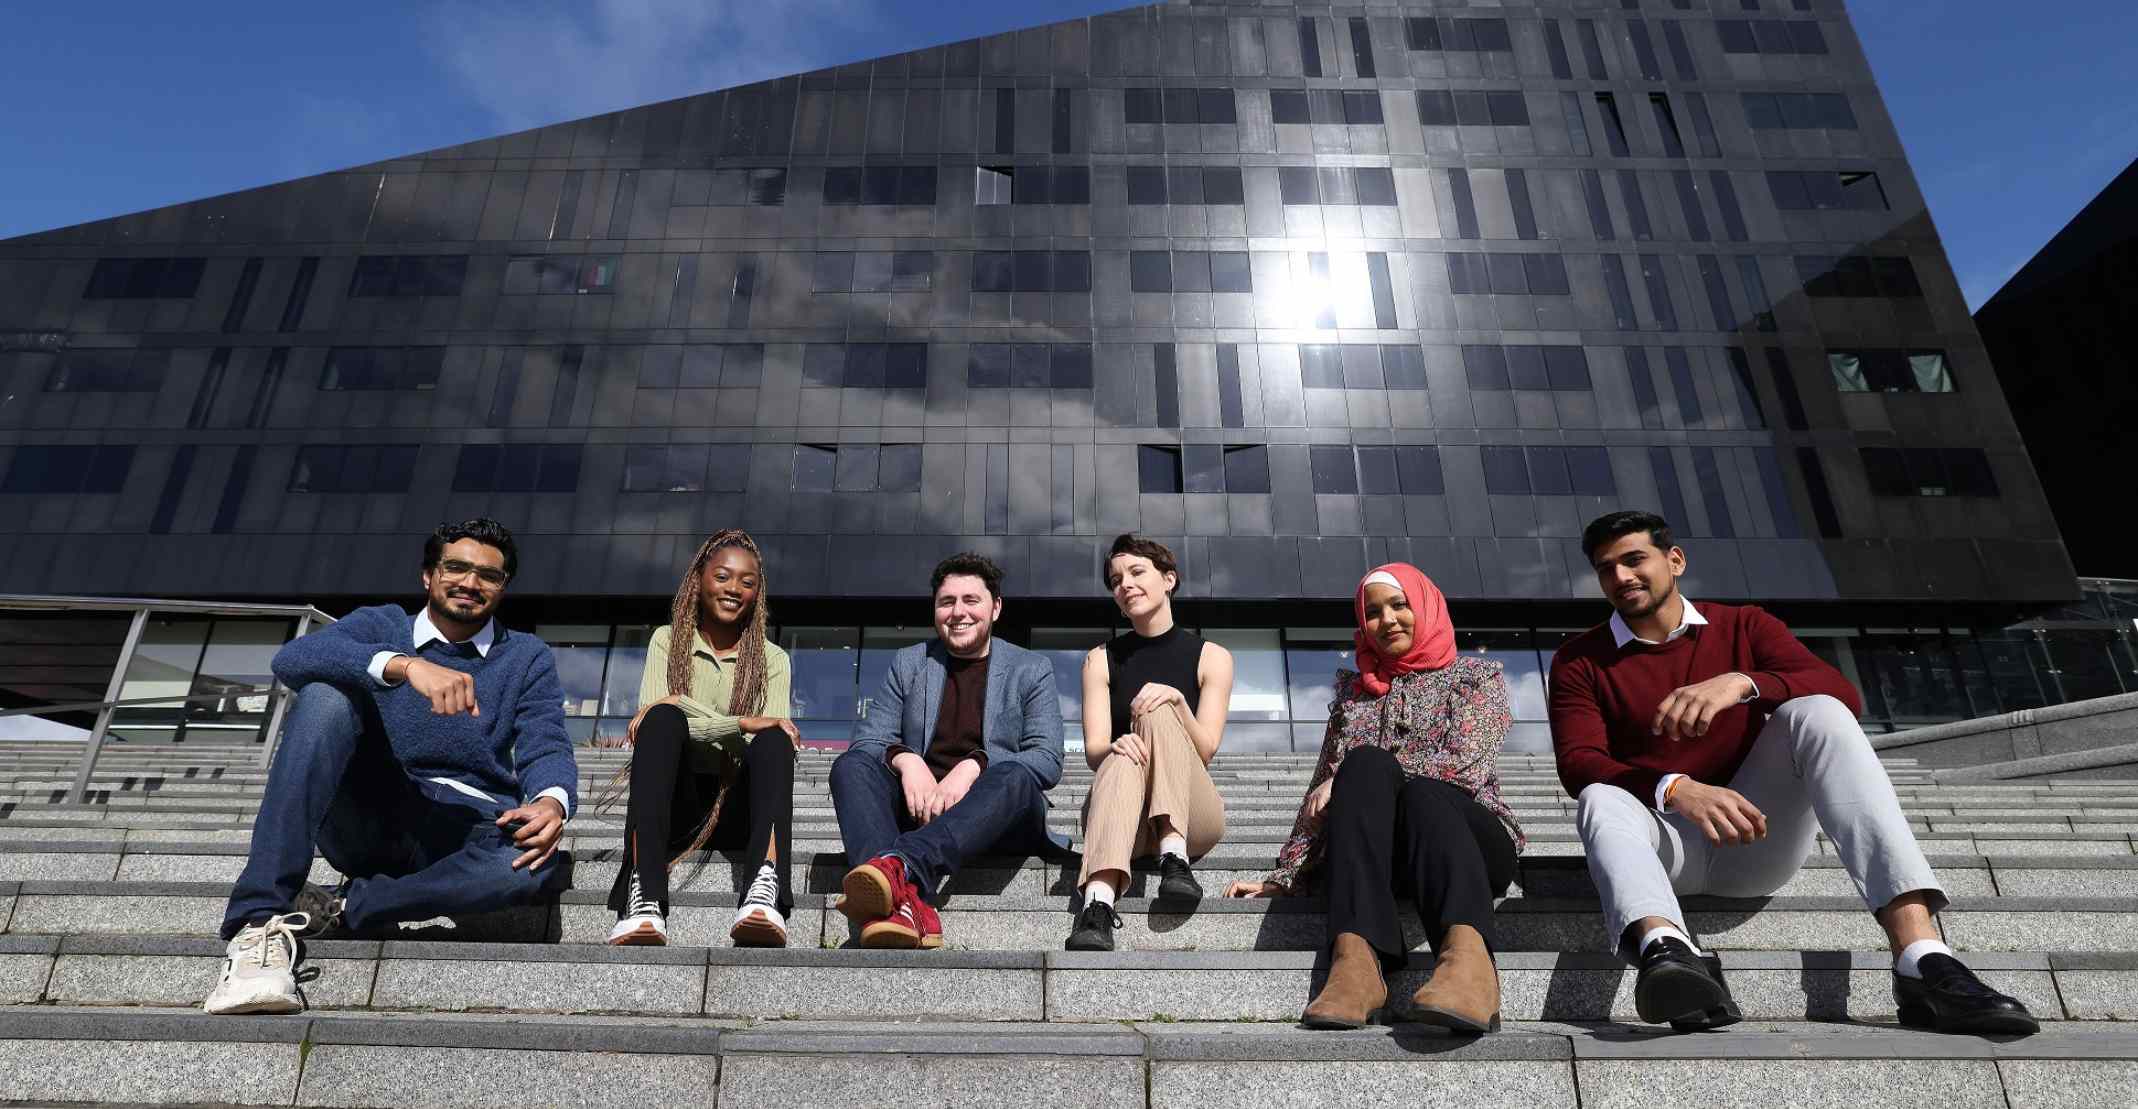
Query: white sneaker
(260, 969)
(758, 922)
(642, 924)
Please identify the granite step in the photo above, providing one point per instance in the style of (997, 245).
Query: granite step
(77, 1053)
(1060, 986)
(1018, 921)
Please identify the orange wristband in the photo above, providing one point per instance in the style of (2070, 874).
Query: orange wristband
(1672, 791)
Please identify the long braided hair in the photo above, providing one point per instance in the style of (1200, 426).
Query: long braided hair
(747, 697)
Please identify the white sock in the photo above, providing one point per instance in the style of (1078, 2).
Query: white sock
(1672, 931)
(1176, 846)
(1906, 964)
(1098, 893)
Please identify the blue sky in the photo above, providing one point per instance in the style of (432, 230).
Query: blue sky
(115, 107)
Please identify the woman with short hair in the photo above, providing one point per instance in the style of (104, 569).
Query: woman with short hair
(1155, 699)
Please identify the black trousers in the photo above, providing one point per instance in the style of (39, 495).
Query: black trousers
(670, 801)
(1389, 835)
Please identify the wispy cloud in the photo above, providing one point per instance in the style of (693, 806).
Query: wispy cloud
(540, 61)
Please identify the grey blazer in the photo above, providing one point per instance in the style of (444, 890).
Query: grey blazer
(1023, 722)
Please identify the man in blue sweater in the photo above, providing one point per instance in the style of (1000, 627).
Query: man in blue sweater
(425, 757)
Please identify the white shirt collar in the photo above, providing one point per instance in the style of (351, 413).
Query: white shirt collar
(1622, 635)
(426, 631)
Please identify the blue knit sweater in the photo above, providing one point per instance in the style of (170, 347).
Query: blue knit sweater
(516, 749)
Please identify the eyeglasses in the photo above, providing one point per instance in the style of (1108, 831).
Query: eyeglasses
(489, 575)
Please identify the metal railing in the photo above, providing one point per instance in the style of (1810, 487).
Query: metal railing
(140, 611)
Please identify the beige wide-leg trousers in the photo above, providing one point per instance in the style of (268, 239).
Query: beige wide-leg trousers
(1128, 802)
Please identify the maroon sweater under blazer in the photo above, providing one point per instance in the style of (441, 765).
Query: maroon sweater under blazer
(1603, 699)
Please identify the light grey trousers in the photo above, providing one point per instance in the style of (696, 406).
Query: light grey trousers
(1811, 768)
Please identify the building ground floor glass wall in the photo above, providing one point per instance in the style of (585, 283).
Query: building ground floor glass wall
(1911, 671)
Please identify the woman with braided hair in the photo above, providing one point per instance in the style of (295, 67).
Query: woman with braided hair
(712, 761)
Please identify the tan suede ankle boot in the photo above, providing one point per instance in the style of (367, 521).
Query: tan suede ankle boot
(1354, 994)
(1464, 993)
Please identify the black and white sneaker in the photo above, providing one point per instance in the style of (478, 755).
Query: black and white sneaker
(642, 923)
(758, 922)
(260, 968)
(1094, 930)
(1176, 880)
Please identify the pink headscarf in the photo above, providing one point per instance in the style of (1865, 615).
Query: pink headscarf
(1432, 644)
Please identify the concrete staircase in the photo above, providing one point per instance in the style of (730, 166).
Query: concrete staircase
(107, 914)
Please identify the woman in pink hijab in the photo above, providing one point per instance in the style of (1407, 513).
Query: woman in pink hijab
(1406, 802)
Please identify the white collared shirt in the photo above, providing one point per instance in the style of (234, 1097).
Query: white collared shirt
(1621, 635)
(425, 632)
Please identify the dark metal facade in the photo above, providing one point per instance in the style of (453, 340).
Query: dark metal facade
(1300, 289)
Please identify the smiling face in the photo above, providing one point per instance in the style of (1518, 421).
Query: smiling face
(1139, 587)
(466, 583)
(728, 586)
(1636, 576)
(965, 614)
(1390, 623)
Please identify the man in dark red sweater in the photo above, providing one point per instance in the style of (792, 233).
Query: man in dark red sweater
(1707, 748)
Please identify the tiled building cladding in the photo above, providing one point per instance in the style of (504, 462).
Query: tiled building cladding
(1298, 289)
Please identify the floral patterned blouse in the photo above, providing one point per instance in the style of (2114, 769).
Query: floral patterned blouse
(1445, 724)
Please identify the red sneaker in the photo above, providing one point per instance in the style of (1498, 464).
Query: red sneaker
(931, 925)
(874, 889)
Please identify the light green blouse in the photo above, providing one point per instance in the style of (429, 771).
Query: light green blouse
(714, 733)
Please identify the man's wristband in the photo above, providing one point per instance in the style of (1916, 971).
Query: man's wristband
(1672, 791)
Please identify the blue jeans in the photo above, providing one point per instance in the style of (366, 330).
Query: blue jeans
(1005, 812)
(414, 849)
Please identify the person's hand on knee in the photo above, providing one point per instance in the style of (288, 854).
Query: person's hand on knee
(1318, 801)
(1722, 815)
(541, 829)
(1154, 696)
(1132, 747)
(915, 782)
(951, 790)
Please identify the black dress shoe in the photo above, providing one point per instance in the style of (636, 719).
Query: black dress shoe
(1949, 998)
(1176, 882)
(1094, 929)
(1681, 989)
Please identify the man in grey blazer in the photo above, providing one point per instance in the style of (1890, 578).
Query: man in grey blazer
(954, 759)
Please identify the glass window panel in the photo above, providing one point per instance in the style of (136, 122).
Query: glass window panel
(1298, 185)
(1289, 106)
(815, 468)
(1335, 470)
(1141, 106)
(1230, 272)
(1418, 471)
(1436, 107)
(1524, 667)
(1258, 671)
(825, 663)
(1930, 372)
(1065, 649)
(1506, 471)
(1070, 366)
(1216, 106)
(1311, 662)
(1146, 185)
(1157, 469)
(993, 271)
(1376, 187)
(1223, 185)
(1247, 469)
(1202, 468)
(1525, 368)
(1150, 271)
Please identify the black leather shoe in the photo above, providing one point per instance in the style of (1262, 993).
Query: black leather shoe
(1094, 929)
(1176, 882)
(1949, 998)
(1683, 990)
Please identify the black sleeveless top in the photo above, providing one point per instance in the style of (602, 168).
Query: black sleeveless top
(1133, 660)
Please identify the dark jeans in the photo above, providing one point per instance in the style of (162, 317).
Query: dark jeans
(1388, 834)
(1005, 812)
(670, 801)
(414, 849)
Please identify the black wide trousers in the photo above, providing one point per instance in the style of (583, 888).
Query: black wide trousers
(1388, 836)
